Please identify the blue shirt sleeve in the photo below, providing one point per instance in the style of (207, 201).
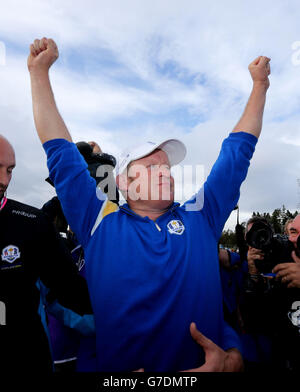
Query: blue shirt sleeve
(75, 188)
(221, 191)
(231, 338)
(222, 187)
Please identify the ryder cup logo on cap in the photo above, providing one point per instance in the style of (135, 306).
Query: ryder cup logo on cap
(174, 149)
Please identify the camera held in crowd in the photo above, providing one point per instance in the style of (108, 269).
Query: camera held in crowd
(94, 160)
(277, 248)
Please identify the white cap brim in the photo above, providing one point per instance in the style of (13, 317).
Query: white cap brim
(174, 148)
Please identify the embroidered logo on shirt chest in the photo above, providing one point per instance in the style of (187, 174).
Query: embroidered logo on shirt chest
(10, 254)
(175, 227)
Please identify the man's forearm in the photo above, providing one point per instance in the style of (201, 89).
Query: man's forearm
(251, 120)
(49, 123)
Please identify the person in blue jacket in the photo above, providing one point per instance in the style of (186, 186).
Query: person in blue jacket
(72, 336)
(151, 264)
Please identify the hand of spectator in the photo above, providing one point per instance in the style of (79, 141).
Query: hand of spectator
(289, 272)
(224, 259)
(216, 359)
(254, 254)
(43, 53)
(96, 147)
(260, 70)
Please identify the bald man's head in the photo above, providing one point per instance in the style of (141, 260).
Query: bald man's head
(7, 163)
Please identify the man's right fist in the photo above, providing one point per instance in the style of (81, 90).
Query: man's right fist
(260, 70)
(43, 53)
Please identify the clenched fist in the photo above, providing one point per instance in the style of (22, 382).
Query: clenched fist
(260, 70)
(43, 53)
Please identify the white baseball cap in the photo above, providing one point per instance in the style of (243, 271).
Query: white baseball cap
(174, 149)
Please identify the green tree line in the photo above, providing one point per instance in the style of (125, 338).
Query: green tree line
(277, 219)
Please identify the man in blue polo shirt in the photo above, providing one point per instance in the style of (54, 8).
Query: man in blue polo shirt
(151, 264)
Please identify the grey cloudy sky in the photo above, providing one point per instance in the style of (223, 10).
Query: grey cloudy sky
(136, 69)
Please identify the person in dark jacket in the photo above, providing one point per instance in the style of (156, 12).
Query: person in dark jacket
(31, 253)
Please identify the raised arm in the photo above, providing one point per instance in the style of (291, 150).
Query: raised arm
(49, 123)
(251, 120)
(221, 191)
(74, 186)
